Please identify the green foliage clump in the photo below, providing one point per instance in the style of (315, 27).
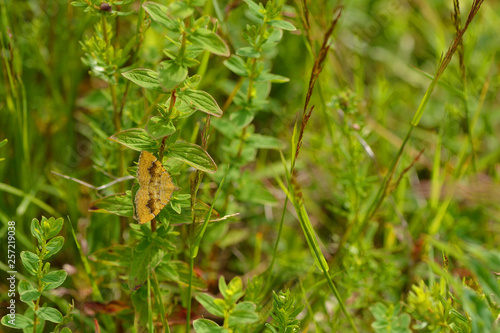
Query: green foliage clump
(284, 313)
(36, 264)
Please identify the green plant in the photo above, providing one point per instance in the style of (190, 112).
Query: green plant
(236, 314)
(389, 319)
(284, 313)
(435, 312)
(35, 317)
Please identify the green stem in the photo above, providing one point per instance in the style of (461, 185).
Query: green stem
(150, 307)
(276, 244)
(190, 290)
(156, 287)
(382, 191)
(138, 38)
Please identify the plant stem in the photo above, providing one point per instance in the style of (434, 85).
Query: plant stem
(156, 287)
(190, 289)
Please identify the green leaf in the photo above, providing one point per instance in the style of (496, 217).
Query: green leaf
(210, 41)
(159, 14)
(171, 74)
(233, 291)
(281, 24)
(193, 155)
(208, 326)
(223, 286)
(176, 207)
(3, 142)
(178, 271)
(141, 310)
(145, 256)
(268, 77)
(201, 101)
(27, 292)
(248, 51)
(17, 321)
(260, 141)
(272, 40)
(225, 126)
(36, 230)
(118, 204)
(78, 4)
(66, 330)
(51, 226)
(54, 246)
(30, 295)
(30, 261)
(145, 78)
(306, 225)
(241, 118)
(117, 255)
(24, 286)
(180, 9)
(50, 314)
(237, 66)
(254, 8)
(378, 310)
(136, 139)
(189, 62)
(158, 127)
(208, 302)
(54, 279)
(243, 313)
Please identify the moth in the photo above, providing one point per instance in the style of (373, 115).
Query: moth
(156, 188)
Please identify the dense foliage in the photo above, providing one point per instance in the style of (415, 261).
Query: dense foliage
(333, 166)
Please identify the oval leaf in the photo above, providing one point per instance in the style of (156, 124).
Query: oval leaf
(238, 318)
(193, 155)
(17, 321)
(208, 326)
(243, 313)
(30, 296)
(24, 286)
(145, 78)
(54, 246)
(143, 259)
(27, 292)
(50, 314)
(159, 14)
(117, 255)
(248, 51)
(158, 127)
(36, 230)
(178, 271)
(54, 226)
(210, 41)
(118, 204)
(30, 261)
(255, 9)
(237, 66)
(136, 139)
(210, 305)
(170, 74)
(54, 279)
(268, 77)
(200, 100)
(280, 24)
